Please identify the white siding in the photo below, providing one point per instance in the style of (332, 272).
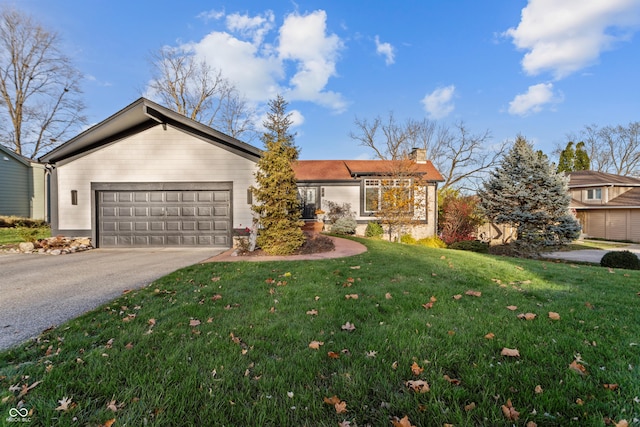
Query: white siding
(343, 194)
(153, 155)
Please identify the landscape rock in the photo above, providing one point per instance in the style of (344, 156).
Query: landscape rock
(58, 245)
(26, 247)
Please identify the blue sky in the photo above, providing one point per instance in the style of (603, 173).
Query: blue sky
(540, 68)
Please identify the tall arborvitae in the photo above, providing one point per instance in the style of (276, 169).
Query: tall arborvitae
(527, 193)
(276, 201)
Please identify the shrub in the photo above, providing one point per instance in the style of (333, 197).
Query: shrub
(432, 242)
(344, 225)
(28, 234)
(337, 211)
(373, 230)
(408, 239)
(621, 259)
(471, 245)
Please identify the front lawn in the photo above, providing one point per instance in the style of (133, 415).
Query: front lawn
(15, 235)
(359, 339)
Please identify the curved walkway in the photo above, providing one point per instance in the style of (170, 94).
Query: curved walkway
(343, 248)
(590, 255)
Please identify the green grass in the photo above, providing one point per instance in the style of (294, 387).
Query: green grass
(248, 362)
(15, 235)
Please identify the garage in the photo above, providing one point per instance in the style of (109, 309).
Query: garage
(169, 214)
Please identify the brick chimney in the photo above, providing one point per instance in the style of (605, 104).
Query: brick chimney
(418, 155)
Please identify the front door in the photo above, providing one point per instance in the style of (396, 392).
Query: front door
(308, 201)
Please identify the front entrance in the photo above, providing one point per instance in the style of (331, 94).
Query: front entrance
(308, 201)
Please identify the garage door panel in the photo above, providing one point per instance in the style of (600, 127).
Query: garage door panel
(164, 218)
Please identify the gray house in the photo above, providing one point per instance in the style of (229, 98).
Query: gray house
(148, 176)
(22, 186)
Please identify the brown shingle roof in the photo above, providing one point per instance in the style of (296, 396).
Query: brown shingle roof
(593, 178)
(335, 170)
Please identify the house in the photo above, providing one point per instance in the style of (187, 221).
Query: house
(22, 186)
(360, 183)
(148, 176)
(607, 205)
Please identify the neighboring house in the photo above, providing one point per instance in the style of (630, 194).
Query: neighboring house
(22, 186)
(148, 176)
(361, 183)
(607, 205)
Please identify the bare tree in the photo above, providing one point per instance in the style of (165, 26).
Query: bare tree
(40, 102)
(191, 87)
(611, 149)
(460, 156)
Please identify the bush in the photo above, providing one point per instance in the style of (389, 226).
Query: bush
(344, 225)
(15, 221)
(621, 259)
(471, 245)
(408, 239)
(373, 230)
(432, 242)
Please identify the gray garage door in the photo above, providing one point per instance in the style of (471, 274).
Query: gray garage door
(164, 218)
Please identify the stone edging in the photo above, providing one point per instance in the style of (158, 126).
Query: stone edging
(52, 246)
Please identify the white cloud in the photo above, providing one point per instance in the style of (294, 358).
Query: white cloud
(259, 68)
(303, 39)
(211, 15)
(534, 99)
(439, 103)
(565, 36)
(386, 50)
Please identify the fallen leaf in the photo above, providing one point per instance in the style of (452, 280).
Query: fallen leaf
(470, 407)
(129, 346)
(194, 322)
(577, 367)
(315, 344)
(65, 402)
(622, 423)
(473, 293)
(108, 423)
(371, 353)
(416, 369)
(490, 336)
(554, 316)
(531, 424)
(510, 352)
(404, 422)
(348, 327)
(331, 400)
(216, 297)
(313, 312)
(418, 386)
(388, 295)
(451, 380)
(355, 267)
(579, 402)
(333, 355)
(526, 316)
(589, 305)
(351, 296)
(112, 406)
(457, 296)
(341, 407)
(611, 386)
(538, 389)
(512, 307)
(344, 423)
(510, 412)
(151, 322)
(428, 305)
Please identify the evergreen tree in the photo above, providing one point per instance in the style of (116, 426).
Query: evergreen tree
(566, 160)
(581, 161)
(574, 159)
(527, 193)
(276, 195)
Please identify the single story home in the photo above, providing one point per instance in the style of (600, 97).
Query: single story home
(607, 205)
(22, 186)
(148, 176)
(361, 183)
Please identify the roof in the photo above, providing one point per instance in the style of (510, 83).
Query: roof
(140, 113)
(347, 170)
(594, 178)
(7, 152)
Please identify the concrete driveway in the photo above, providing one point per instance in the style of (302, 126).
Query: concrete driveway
(590, 255)
(40, 291)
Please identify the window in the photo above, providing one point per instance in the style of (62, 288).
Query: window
(594, 194)
(379, 191)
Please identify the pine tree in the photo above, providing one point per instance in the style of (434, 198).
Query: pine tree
(581, 162)
(276, 195)
(574, 159)
(527, 193)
